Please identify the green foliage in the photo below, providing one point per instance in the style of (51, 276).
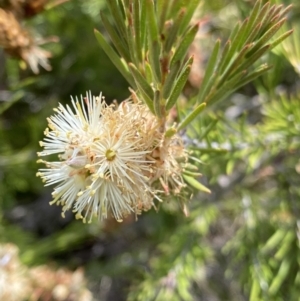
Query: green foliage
(170, 36)
(241, 241)
(153, 39)
(179, 262)
(248, 42)
(281, 123)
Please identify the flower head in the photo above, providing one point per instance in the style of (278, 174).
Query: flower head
(112, 159)
(19, 42)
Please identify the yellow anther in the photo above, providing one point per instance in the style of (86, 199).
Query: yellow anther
(110, 154)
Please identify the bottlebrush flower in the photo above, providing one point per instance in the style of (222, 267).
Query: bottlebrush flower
(112, 159)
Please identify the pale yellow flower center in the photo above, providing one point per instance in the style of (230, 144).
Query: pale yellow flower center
(110, 155)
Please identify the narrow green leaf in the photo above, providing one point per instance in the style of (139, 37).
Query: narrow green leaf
(152, 21)
(267, 18)
(275, 16)
(208, 129)
(252, 59)
(230, 167)
(209, 150)
(179, 85)
(234, 31)
(115, 38)
(274, 240)
(146, 99)
(137, 30)
(217, 94)
(283, 272)
(184, 44)
(228, 51)
(158, 108)
(162, 11)
(253, 17)
(251, 76)
(209, 71)
(124, 3)
(190, 117)
(114, 58)
(263, 15)
(237, 61)
(286, 10)
(237, 40)
(154, 57)
(143, 24)
(153, 40)
(191, 173)
(191, 7)
(170, 80)
(141, 81)
(241, 36)
(195, 184)
(118, 17)
(190, 167)
(131, 37)
(223, 62)
(285, 245)
(281, 38)
(176, 6)
(266, 37)
(255, 290)
(253, 34)
(173, 33)
(148, 72)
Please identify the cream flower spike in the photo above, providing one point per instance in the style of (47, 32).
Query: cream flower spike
(113, 160)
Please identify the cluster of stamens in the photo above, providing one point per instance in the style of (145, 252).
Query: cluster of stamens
(112, 159)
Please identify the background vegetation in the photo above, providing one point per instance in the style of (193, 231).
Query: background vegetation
(241, 242)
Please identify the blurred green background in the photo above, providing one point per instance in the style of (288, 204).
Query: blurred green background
(241, 242)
